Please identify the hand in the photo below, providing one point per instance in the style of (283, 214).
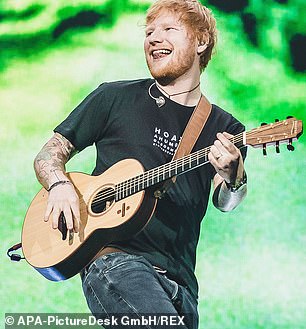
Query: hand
(63, 198)
(226, 158)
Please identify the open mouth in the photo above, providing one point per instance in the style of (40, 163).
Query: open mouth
(161, 53)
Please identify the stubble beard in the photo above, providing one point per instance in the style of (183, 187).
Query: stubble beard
(178, 66)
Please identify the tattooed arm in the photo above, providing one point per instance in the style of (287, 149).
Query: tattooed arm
(49, 166)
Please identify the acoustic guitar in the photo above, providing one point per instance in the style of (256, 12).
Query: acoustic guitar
(119, 203)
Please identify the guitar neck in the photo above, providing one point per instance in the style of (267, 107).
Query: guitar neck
(177, 167)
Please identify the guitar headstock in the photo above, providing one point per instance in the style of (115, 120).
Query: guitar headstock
(275, 133)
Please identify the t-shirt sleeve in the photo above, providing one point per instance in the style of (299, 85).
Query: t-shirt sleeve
(85, 124)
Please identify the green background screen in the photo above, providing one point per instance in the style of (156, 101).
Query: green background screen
(251, 262)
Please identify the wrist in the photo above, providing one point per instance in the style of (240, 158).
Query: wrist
(61, 182)
(237, 184)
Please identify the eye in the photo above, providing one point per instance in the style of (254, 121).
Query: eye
(148, 33)
(171, 28)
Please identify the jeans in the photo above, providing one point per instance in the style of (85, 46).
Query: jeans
(121, 283)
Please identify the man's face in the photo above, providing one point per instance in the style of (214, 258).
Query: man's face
(170, 52)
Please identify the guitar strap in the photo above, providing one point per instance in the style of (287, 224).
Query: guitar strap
(191, 134)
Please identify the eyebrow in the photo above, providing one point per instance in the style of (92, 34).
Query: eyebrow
(150, 26)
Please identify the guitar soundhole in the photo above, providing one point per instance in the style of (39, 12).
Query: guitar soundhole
(103, 200)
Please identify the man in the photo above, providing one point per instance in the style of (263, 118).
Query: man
(152, 272)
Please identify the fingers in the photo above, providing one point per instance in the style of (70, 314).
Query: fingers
(216, 153)
(68, 218)
(213, 159)
(69, 206)
(48, 212)
(227, 135)
(223, 147)
(55, 217)
(71, 213)
(76, 215)
(224, 156)
(218, 150)
(225, 144)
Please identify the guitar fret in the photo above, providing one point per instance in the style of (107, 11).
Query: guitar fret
(117, 195)
(132, 187)
(176, 167)
(122, 190)
(145, 181)
(166, 171)
(121, 197)
(148, 178)
(126, 188)
(152, 178)
(138, 183)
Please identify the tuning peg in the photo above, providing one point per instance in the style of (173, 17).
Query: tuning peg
(264, 150)
(277, 147)
(263, 124)
(289, 116)
(290, 147)
(276, 120)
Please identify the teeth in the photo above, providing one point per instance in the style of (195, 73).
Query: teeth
(161, 51)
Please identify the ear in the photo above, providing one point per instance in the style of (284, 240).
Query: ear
(201, 47)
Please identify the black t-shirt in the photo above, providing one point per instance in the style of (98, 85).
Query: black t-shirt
(123, 121)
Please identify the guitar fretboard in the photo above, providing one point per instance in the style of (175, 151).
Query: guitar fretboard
(174, 168)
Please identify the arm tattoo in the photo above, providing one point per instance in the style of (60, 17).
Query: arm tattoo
(50, 162)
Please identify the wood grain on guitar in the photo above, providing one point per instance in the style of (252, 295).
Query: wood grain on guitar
(118, 204)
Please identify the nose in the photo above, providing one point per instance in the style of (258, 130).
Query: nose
(155, 36)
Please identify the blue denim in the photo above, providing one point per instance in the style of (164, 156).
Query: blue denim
(121, 283)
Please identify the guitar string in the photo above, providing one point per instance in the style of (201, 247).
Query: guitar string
(124, 187)
(151, 175)
(128, 185)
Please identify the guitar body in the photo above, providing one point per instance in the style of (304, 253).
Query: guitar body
(58, 254)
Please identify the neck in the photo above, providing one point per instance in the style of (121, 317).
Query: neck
(187, 93)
